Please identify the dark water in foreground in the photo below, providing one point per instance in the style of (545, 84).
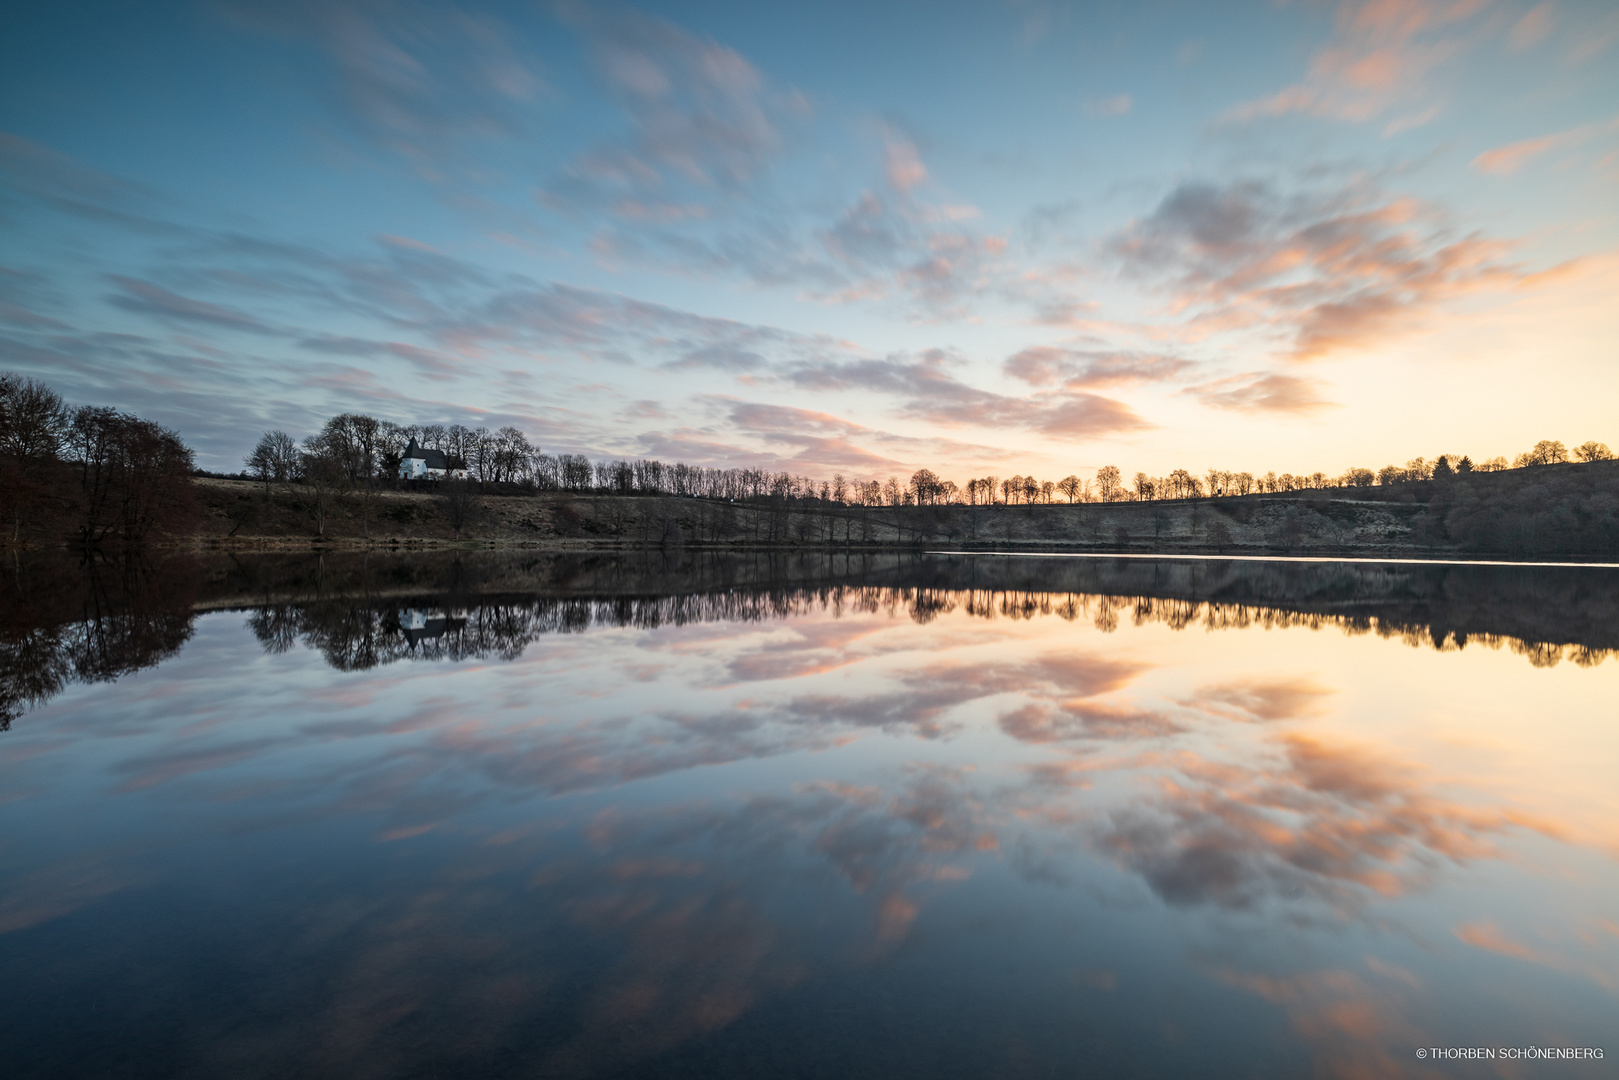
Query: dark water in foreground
(881, 816)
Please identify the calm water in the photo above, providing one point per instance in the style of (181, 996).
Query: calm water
(690, 816)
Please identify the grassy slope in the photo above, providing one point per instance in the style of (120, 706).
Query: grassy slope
(1553, 510)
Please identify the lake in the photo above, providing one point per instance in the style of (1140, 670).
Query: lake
(885, 815)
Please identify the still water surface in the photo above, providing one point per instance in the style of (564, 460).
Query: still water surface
(904, 817)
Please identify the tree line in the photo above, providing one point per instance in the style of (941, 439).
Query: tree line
(100, 475)
(105, 476)
(363, 451)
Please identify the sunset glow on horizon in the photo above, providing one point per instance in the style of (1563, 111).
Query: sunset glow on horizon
(858, 239)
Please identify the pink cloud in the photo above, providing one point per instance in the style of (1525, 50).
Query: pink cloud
(1379, 55)
(904, 165)
(1262, 699)
(1533, 27)
(1256, 392)
(1044, 365)
(1505, 160)
(1488, 936)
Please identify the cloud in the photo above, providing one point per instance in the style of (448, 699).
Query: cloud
(1321, 270)
(934, 394)
(883, 245)
(23, 295)
(70, 187)
(904, 165)
(703, 121)
(1117, 105)
(1259, 392)
(1045, 365)
(1411, 121)
(1505, 160)
(879, 246)
(43, 895)
(1350, 1028)
(433, 364)
(1488, 936)
(1064, 688)
(1380, 55)
(1332, 822)
(1042, 723)
(147, 299)
(1533, 27)
(421, 79)
(1262, 699)
(1595, 39)
(772, 419)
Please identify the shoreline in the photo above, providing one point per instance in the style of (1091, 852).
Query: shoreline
(284, 545)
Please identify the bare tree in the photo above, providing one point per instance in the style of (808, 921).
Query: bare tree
(1593, 451)
(1545, 452)
(1359, 477)
(135, 476)
(924, 486)
(33, 419)
(352, 441)
(274, 460)
(321, 477)
(392, 442)
(34, 423)
(546, 471)
(1109, 483)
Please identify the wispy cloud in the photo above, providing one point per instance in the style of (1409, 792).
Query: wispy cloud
(1508, 159)
(1261, 392)
(930, 392)
(145, 298)
(1075, 368)
(1263, 699)
(1533, 27)
(1117, 105)
(703, 121)
(1380, 55)
(421, 79)
(69, 186)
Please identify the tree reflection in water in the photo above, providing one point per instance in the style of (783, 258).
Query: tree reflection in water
(94, 620)
(68, 621)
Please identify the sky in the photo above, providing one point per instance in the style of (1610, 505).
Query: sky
(827, 238)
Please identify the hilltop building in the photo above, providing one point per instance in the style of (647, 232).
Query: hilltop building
(420, 464)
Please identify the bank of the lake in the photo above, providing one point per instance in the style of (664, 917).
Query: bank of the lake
(1569, 511)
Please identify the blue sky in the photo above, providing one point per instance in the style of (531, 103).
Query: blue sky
(827, 238)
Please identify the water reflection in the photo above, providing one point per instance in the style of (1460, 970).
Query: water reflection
(87, 620)
(69, 620)
(540, 816)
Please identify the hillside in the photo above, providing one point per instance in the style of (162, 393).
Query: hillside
(1553, 510)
